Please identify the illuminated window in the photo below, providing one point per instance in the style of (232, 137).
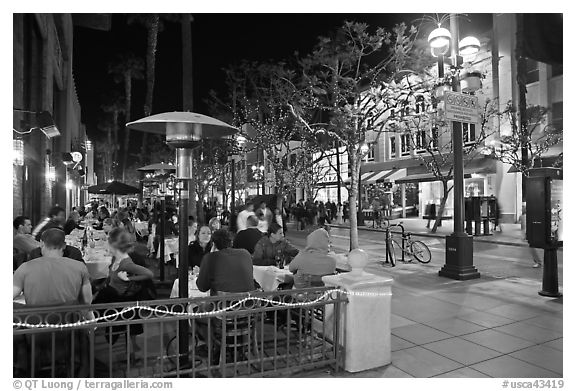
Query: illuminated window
(532, 71)
(468, 133)
(371, 154)
(420, 141)
(405, 144)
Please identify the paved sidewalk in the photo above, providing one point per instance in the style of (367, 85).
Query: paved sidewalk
(489, 327)
(511, 235)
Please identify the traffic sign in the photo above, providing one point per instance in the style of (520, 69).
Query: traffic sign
(461, 107)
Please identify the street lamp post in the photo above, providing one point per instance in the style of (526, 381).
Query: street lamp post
(459, 245)
(258, 174)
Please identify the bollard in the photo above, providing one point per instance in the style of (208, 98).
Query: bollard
(550, 274)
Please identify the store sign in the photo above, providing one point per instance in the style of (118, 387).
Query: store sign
(461, 107)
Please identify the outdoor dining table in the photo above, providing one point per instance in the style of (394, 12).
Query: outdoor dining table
(170, 247)
(97, 262)
(193, 290)
(270, 277)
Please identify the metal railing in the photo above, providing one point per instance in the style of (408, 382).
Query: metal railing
(256, 334)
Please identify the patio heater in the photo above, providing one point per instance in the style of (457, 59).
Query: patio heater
(183, 130)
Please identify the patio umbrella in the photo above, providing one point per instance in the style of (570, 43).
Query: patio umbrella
(113, 187)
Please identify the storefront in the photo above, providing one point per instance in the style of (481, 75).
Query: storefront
(479, 180)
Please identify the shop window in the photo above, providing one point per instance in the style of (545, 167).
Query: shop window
(468, 133)
(557, 116)
(532, 71)
(405, 144)
(393, 147)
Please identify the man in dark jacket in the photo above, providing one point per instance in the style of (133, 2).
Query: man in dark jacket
(248, 238)
(225, 270)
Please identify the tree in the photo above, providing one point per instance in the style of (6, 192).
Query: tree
(114, 104)
(125, 68)
(257, 100)
(537, 139)
(151, 23)
(349, 76)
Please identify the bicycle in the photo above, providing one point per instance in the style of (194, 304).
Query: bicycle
(413, 248)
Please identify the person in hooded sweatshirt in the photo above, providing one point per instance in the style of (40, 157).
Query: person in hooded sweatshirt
(313, 262)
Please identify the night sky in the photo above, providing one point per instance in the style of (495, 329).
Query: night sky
(218, 40)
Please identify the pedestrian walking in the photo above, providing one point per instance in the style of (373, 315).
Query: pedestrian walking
(536, 260)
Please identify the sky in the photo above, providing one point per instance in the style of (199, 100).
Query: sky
(218, 40)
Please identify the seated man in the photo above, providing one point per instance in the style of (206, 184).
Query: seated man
(227, 269)
(248, 238)
(53, 279)
(23, 240)
(69, 252)
(273, 248)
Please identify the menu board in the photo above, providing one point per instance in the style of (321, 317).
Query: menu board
(556, 210)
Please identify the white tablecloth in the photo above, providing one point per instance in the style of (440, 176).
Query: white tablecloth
(97, 261)
(270, 277)
(192, 289)
(170, 247)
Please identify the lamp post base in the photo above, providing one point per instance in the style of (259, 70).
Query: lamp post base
(550, 274)
(459, 258)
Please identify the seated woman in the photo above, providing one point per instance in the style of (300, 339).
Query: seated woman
(103, 214)
(200, 247)
(273, 248)
(127, 281)
(72, 223)
(214, 224)
(313, 262)
(126, 223)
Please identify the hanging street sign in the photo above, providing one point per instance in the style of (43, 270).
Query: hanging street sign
(461, 107)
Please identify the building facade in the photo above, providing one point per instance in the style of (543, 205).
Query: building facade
(393, 169)
(44, 96)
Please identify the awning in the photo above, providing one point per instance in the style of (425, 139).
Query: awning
(369, 178)
(477, 166)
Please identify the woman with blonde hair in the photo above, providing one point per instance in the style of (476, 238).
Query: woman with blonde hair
(127, 281)
(214, 224)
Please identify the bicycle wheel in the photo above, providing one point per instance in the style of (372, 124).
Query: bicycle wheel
(421, 251)
(397, 248)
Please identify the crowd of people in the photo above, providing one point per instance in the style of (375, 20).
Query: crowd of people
(50, 272)
(259, 235)
(311, 213)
